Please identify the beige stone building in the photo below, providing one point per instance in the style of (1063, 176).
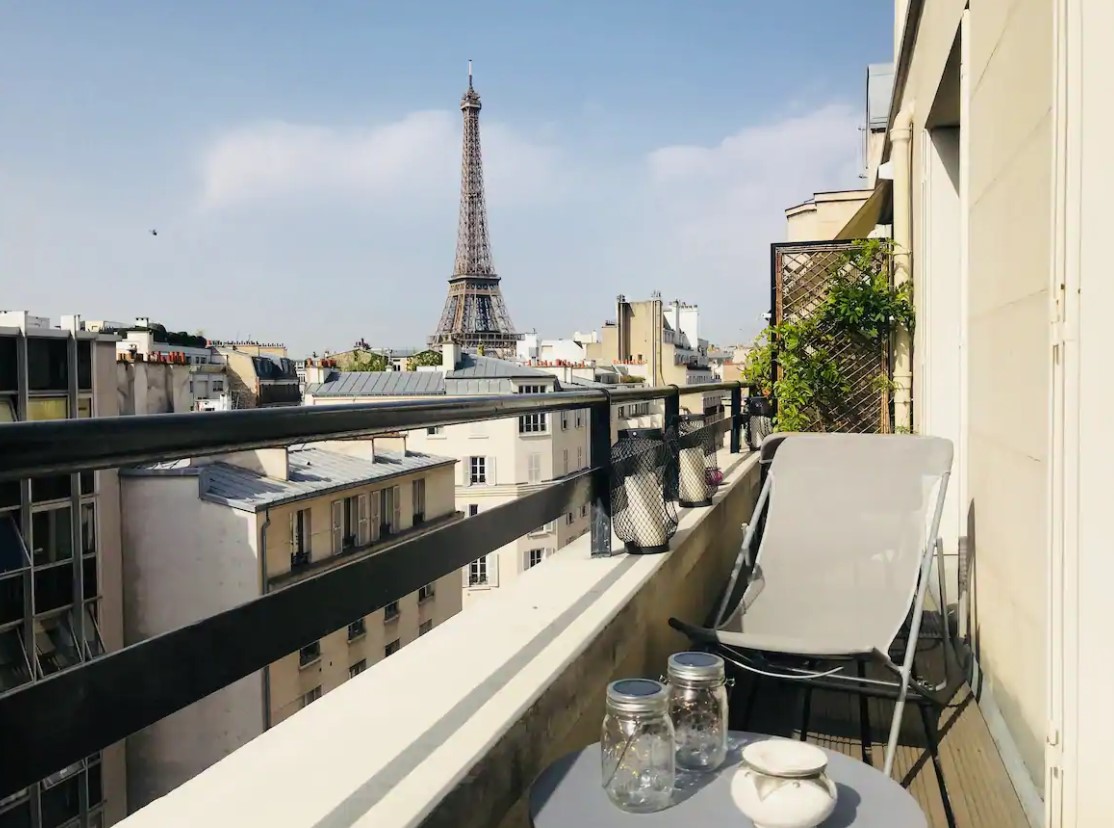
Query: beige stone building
(205, 535)
(995, 172)
(259, 376)
(60, 596)
(659, 343)
(499, 460)
(823, 215)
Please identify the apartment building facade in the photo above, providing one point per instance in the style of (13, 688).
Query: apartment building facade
(260, 375)
(993, 172)
(60, 594)
(661, 344)
(498, 461)
(204, 535)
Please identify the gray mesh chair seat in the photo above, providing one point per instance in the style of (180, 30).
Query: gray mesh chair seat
(849, 529)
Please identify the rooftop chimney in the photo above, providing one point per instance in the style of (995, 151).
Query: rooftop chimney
(450, 356)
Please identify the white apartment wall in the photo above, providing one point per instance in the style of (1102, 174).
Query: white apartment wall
(111, 620)
(568, 350)
(184, 560)
(154, 388)
(1003, 515)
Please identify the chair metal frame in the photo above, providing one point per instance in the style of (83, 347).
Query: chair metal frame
(907, 686)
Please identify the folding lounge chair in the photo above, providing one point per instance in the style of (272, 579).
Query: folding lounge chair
(848, 531)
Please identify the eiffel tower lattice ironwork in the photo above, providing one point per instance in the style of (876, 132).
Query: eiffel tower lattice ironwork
(475, 313)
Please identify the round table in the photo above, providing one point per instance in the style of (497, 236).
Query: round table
(570, 793)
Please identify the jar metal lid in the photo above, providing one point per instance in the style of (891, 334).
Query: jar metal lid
(697, 668)
(637, 696)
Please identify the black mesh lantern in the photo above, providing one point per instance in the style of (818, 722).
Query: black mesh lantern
(696, 454)
(760, 422)
(643, 515)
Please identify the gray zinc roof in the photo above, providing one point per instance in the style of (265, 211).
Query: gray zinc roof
(312, 472)
(481, 367)
(380, 384)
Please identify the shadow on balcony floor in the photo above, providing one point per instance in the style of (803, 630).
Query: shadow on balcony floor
(982, 795)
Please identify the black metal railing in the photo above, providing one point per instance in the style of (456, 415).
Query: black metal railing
(51, 723)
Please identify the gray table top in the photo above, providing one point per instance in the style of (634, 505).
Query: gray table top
(570, 793)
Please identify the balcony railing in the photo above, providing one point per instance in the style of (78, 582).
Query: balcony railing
(55, 722)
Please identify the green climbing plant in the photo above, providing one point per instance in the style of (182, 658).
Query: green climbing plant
(364, 361)
(861, 307)
(425, 358)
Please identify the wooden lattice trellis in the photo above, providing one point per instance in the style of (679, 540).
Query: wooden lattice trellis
(802, 274)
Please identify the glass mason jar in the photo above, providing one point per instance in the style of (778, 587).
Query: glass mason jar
(636, 746)
(698, 708)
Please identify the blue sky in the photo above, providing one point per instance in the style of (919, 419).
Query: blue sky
(299, 160)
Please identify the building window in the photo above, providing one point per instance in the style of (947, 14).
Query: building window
(434, 431)
(14, 665)
(584, 510)
(390, 612)
(473, 509)
(579, 413)
(357, 668)
(426, 592)
(51, 536)
(391, 648)
(312, 696)
(534, 468)
(425, 627)
(47, 408)
(217, 385)
(299, 538)
(564, 421)
(60, 798)
(418, 496)
(534, 557)
(580, 458)
(350, 523)
(390, 511)
(13, 555)
(477, 470)
(356, 629)
(532, 423)
(48, 364)
(477, 572)
(55, 645)
(568, 519)
(309, 654)
(565, 453)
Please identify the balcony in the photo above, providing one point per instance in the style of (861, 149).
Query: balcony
(462, 719)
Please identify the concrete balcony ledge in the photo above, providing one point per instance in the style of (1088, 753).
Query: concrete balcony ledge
(453, 729)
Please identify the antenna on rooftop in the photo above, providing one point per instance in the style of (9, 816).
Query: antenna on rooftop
(469, 73)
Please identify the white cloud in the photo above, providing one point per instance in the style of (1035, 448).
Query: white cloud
(721, 206)
(412, 159)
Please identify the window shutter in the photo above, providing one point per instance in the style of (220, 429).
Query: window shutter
(338, 525)
(493, 569)
(374, 516)
(397, 517)
(363, 533)
(293, 532)
(490, 471)
(466, 471)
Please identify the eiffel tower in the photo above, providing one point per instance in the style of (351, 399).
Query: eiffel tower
(475, 314)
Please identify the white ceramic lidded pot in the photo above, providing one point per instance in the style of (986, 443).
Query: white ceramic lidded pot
(784, 784)
(698, 708)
